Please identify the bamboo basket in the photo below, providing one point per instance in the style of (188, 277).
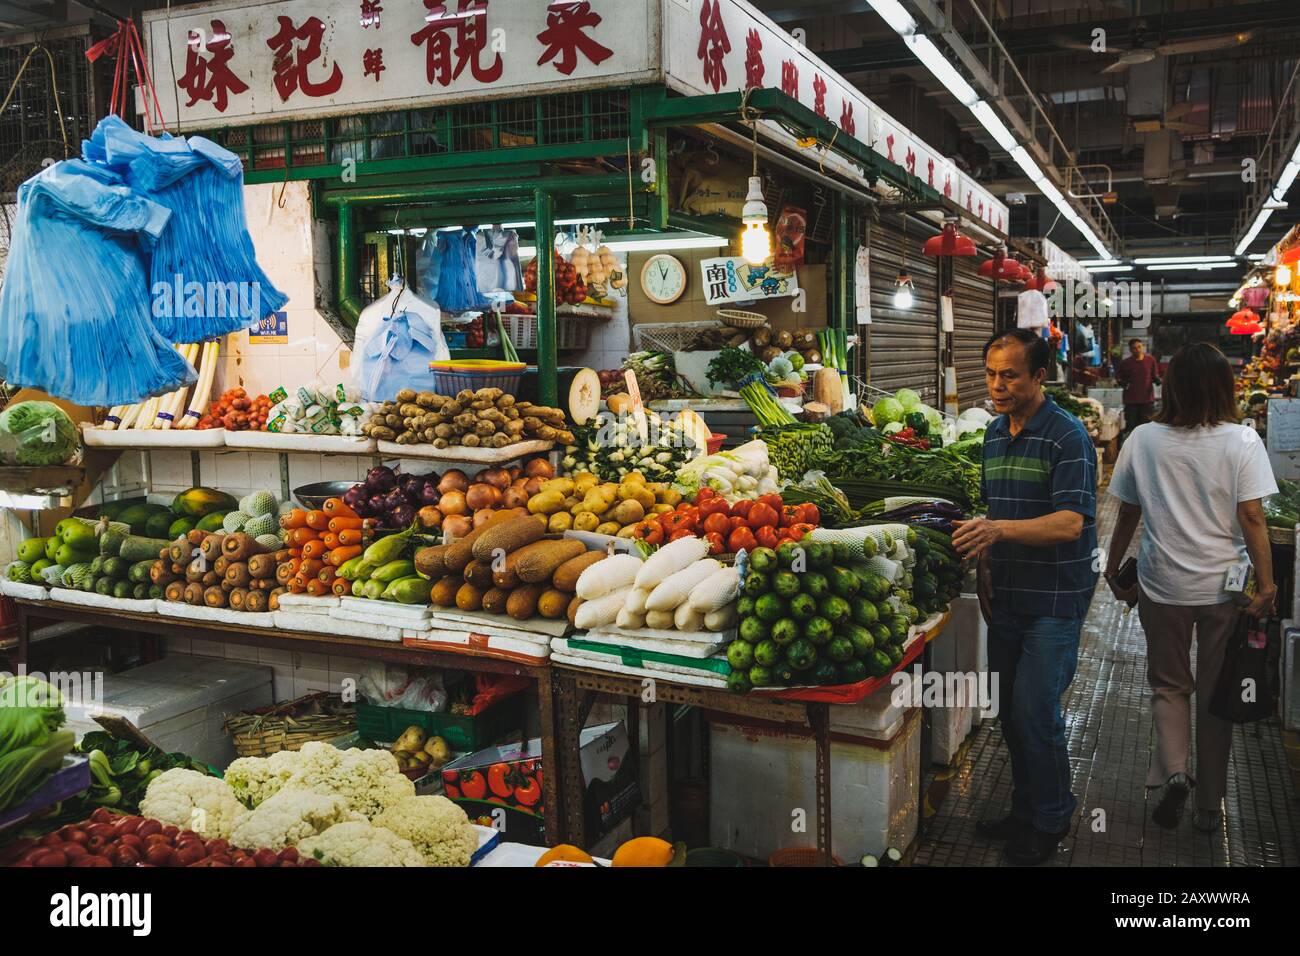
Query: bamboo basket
(320, 716)
(1282, 536)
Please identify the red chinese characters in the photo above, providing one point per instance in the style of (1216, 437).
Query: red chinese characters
(567, 34)
(910, 161)
(372, 63)
(754, 68)
(847, 122)
(370, 11)
(929, 179)
(790, 78)
(291, 62)
(210, 79)
(445, 60)
(889, 146)
(819, 95)
(714, 44)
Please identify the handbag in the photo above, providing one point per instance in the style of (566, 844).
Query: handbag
(1242, 694)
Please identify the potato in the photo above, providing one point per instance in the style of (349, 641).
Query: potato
(662, 509)
(669, 497)
(608, 527)
(563, 485)
(560, 522)
(572, 612)
(583, 482)
(586, 522)
(629, 511)
(628, 531)
(553, 604)
(522, 603)
(546, 502)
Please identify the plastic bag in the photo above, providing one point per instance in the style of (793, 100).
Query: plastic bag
(396, 339)
(392, 685)
(37, 433)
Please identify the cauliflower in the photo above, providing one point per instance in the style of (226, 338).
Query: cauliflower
(360, 844)
(193, 801)
(368, 779)
(290, 817)
(255, 779)
(439, 829)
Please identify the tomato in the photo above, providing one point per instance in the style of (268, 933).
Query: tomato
(741, 539)
(499, 780)
(473, 785)
(809, 513)
(704, 495)
(530, 793)
(773, 501)
(187, 854)
(289, 853)
(677, 521)
(684, 507)
(159, 854)
(762, 515)
(717, 543)
(145, 828)
(717, 522)
(797, 531)
(736, 521)
(767, 537)
(682, 533)
(451, 791)
(789, 515)
(715, 506)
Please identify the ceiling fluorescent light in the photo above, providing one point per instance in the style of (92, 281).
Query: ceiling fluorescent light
(1289, 173)
(590, 220)
(934, 61)
(1181, 260)
(1090, 263)
(1100, 269)
(1193, 266)
(650, 244)
(993, 123)
(1026, 162)
(1253, 231)
(893, 13)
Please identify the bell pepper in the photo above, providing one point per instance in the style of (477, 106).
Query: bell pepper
(741, 539)
(789, 515)
(762, 515)
(767, 536)
(716, 522)
(714, 506)
(741, 508)
(717, 543)
(809, 513)
(649, 532)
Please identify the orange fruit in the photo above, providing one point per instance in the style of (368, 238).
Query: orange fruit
(564, 853)
(644, 851)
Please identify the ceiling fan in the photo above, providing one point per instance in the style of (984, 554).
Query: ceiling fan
(1145, 50)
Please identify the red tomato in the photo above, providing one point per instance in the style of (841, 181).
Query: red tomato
(809, 514)
(741, 539)
(797, 531)
(704, 495)
(682, 533)
(773, 501)
(789, 515)
(717, 522)
(649, 532)
(499, 780)
(762, 515)
(684, 507)
(717, 543)
(102, 815)
(159, 854)
(715, 506)
(742, 507)
(473, 785)
(736, 521)
(767, 537)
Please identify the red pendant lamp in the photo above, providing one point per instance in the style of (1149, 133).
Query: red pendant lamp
(1244, 322)
(1040, 282)
(949, 243)
(1290, 257)
(1002, 268)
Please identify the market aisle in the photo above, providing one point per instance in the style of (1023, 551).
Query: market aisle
(1109, 728)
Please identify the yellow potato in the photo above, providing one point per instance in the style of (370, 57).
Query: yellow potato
(546, 502)
(609, 527)
(635, 476)
(627, 532)
(669, 497)
(559, 522)
(661, 509)
(562, 485)
(583, 482)
(586, 522)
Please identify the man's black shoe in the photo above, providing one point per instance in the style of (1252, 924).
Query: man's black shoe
(1169, 804)
(1005, 829)
(1032, 846)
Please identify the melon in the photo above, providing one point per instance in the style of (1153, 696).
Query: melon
(584, 396)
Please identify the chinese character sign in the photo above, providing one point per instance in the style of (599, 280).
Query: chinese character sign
(207, 73)
(732, 279)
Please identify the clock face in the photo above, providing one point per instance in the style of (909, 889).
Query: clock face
(663, 279)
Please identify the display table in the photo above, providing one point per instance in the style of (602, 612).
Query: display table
(576, 690)
(29, 612)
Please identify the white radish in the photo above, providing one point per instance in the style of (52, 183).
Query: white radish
(687, 618)
(721, 620)
(629, 620)
(636, 600)
(716, 591)
(660, 620)
(609, 574)
(676, 588)
(601, 610)
(671, 558)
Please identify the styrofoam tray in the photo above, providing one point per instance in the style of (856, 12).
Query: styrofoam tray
(216, 615)
(295, 442)
(484, 623)
(561, 654)
(615, 634)
(307, 604)
(391, 620)
(408, 612)
(488, 645)
(320, 624)
(484, 456)
(153, 437)
(618, 639)
(91, 599)
(16, 589)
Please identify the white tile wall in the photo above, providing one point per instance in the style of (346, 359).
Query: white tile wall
(294, 673)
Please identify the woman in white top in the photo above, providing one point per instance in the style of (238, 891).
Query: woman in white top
(1196, 479)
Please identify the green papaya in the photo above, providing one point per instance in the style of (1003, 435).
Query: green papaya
(200, 502)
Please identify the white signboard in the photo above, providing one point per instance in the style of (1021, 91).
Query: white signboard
(231, 63)
(717, 45)
(862, 285)
(732, 279)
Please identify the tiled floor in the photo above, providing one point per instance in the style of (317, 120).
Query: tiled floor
(1108, 724)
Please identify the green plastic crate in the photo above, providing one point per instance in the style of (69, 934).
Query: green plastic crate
(385, 724)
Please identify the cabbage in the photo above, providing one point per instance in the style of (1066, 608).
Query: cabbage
(892, 428)
(37, 433)
(975, 414)
(907, 398)
(888, 410)
(932, 415)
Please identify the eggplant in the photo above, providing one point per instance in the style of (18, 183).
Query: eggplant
(381, 479)
(376, 505)
(429, 493)
(401, 516)
(395, 498)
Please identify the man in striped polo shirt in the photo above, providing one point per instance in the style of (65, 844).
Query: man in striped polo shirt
(1037, 551)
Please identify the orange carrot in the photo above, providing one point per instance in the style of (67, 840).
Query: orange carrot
(318, 520)
(317, 588)
(311, 567)
(339, 524)
(300, 536)
(334, 507)
(331, 540)
(349, 536)
(341, 587)
(339, 555)
(297, 518)
(328, 574)
(314, 549)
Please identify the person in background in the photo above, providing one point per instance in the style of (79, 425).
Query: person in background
(1139, 374)
(1036, 551)
(1196, 479)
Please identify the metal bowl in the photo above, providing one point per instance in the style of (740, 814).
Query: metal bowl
(315, 495)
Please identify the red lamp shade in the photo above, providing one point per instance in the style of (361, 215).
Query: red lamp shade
(1290, 257)
(1040, 282)
(1243, 317)
(1248, 328)
(1002, 268)
(949, 243)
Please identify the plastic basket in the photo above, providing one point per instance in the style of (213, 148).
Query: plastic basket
(571, 332)
(385, 724)
(800, 856)
(715, 442)
(668, 336)
(450, 377)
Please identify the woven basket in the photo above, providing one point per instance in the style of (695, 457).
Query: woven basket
(740, 319)
(1283, 536)
(267, 730)
(668, 336)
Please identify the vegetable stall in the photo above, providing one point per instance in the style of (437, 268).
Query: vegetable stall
(712, 496)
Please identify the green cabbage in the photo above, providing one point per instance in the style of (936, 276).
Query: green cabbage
(37, 433)
(907, 398)
(887, 410)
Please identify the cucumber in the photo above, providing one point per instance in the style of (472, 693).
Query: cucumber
(156, 592)
(104, 586)
(139, 572)
(123, 589)
(97, 566)
(115, 568)
(140, 591)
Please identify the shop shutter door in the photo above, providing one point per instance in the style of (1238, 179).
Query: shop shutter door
(904, 346)
(972, 313)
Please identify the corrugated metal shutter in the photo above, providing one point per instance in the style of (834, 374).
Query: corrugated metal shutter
(972, 314)
(904, 345)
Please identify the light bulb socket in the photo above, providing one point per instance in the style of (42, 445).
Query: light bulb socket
(755, 208)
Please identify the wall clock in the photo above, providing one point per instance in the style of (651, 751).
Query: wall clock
(663, 279)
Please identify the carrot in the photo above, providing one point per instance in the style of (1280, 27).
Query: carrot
(314, 549)
(331, 540)
(317, 587)
(311, 567)
(318, 520)
(334, 507)
(328, 574)
(341, 587)
(297, 518)
(295, 552)
(340, 555)
(349, 537)
(297, 586)
(339, 524)
(299, 536)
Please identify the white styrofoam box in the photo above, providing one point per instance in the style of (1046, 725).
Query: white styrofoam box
(760, 776)
(1290, 676)
(949, 727)
(180, 703)
(876, 717)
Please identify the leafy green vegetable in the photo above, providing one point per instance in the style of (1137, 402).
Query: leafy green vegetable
(37, 433)
(731, 365)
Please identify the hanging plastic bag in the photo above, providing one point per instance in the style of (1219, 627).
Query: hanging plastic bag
(396, 339)
(496, 261)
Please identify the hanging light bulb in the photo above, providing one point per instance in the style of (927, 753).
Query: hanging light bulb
(903, 292)
(755, 242)
(1282, 276)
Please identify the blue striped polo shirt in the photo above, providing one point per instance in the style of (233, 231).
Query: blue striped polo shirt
(1051, 465)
